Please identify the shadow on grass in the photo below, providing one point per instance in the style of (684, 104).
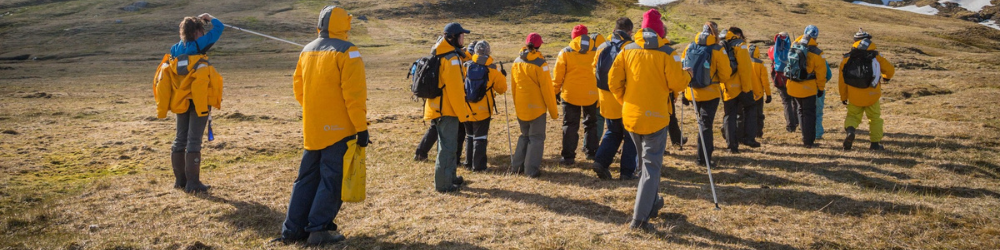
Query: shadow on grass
(682, 227)
(378, 242)
(560, 205)
(261, 219)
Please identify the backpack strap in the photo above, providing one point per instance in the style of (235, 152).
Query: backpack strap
(815, 50)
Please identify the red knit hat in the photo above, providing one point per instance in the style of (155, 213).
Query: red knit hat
(534, 39)
(652, 20)
(579, 30)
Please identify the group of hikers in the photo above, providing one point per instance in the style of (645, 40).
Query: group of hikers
(629, 81)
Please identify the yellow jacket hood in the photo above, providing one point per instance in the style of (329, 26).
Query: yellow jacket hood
(705, 39)
(869, 46)
(573, 74)
(649, 41)
(334, 22)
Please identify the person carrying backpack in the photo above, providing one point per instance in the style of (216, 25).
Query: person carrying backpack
(761, 92)
(531, 87)
(483, 82)
(779, 58)
(329, 83)
(707, 95)
(611, 109)
(642, 74)
(189, 86)
(449, 109)
(737, 92)
(573, 77)
(862, 74)
(806, 72)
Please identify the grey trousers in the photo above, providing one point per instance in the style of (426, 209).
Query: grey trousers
(530, 147)
(190, 131)
(446, 165)
(650, 151)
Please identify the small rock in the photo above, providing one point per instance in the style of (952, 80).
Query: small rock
(363, 18)
(10, 132)
(94, 228)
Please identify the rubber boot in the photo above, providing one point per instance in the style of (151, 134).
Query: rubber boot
(642, 225)
(192, 170)
(324, 237)
(657, 205)
(177, 162)
(849, 140)
(876, 146)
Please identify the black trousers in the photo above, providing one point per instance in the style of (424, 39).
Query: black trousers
(475, 142)
(706, 118)
(733, 109)
(759, 107)
(571, 129)
(791, 110)
(674, 128)
(431, 137)
(746, 119)
(807, 115)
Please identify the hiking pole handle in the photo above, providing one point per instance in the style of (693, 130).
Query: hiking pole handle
(263, 35)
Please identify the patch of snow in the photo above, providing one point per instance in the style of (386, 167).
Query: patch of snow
(991, 24)
(971, 5)
(926, 10)
(654, 3)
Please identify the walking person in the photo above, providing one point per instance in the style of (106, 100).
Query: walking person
(779, 61)
(188, 85)
(531, 86)
(737, 92)
(573, 78)
(861, 92)
(483, 74)
(329, 83)
(643, 73)
(707, 98)
(762, 94)
(615, 136)
(806, 80)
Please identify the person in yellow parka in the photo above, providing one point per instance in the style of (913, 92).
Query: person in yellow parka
(329, 83)
(573, 77)
(761, 94)
(615, 135)
(707, 98)
(188, 85)
(447, 111)
(531, 87)
(805, 91)
(864, 98)
(737, 92)
(478, 127)
(641, 76)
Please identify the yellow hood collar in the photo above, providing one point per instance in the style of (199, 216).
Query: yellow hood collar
(488, 60)
(334, 22)
(705, 39)
(812, 41)
(529, 55)
(582, 43)
(865, 44)
(649, 39)
(443, 46)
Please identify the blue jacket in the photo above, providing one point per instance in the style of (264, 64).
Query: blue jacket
(200, 45)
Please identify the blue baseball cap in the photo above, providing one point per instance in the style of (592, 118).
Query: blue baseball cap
(455, 29)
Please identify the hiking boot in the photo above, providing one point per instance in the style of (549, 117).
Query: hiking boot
(536, 175)
(591, 157)
(192, 171)
(602, 172)
(282, 240)
(177, 162)
(751, 143)
(657, 205)
(452, 188)
(420, 157)
(876, 146)
(790, 129)
(628, 177)
(324, 237)
(642, 225)
(458, 181)
(479, 169)
(567, 161)
(734, 150)
(683, 141)
(849, 140)
(814, 145)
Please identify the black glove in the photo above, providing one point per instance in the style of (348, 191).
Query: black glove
(685, 101)
(843, 102)
(767, 100)
(363, 138)
(885, 80)
(821, 93)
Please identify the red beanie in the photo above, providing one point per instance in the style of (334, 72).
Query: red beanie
(652, 20)
(579, 30)
(534, 39)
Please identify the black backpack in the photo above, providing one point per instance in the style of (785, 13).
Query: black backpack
(859, 71)
(605, 59)
(731, 52)
(425, 77)
(478, 76)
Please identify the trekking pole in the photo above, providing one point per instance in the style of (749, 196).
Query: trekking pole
(506, 114)
(263, 35)
(704, 151)
(681, 122)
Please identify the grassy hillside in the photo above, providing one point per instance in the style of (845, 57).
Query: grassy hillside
(84, 161)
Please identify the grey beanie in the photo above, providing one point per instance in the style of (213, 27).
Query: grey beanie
(482, 48)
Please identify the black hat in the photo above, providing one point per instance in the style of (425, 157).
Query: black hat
(454, 29)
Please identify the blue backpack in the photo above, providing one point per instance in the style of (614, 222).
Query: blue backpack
(605, 59)
(797, 68)
(476, 78)
(699, 58)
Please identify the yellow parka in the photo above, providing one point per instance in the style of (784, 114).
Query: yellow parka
(610, 108)
(183, 78)
(483, 109)
(642, 77)
(329, 83)
(451, 78)
(532, 86)
(741, 80)
(761, 81)
(867, 96)
(574, 74)
(815, 64)
(720, 69)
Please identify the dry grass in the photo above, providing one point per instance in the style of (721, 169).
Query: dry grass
(84, 164)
